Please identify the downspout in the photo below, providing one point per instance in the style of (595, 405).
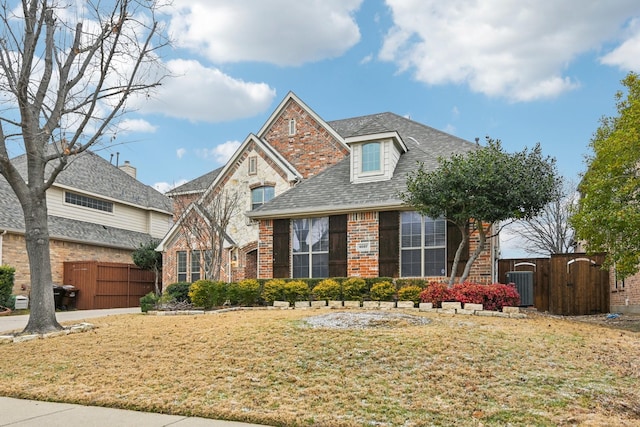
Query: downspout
(2, 244)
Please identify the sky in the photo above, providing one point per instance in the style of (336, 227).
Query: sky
(525, 72)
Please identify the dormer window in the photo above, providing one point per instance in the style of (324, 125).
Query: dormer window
(371, 157)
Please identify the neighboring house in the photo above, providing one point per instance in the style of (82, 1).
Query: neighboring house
(97, 211)
(321, 199)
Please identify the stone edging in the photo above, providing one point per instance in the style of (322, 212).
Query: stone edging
(448, 308)
(73, 329)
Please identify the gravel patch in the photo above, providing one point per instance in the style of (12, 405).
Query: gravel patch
(362, 320)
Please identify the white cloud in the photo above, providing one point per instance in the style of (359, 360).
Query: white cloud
(199, 93)
(627, 55)
(180, 152)
(516, 50)
(136, 125)
(163, 187)
(282, 32)
(220, 153)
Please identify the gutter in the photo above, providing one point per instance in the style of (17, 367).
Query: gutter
(326, 210)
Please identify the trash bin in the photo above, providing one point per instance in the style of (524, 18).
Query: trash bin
(58, 293)
(70, 297)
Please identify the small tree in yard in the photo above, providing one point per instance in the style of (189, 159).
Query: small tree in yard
(608, 216)
(147, 258)
(66, 72)
(479, 189)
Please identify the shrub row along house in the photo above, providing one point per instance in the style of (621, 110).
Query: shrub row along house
(97, 211)
(306, 198)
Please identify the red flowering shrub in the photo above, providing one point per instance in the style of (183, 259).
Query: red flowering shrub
(436, 293)
(492, 297)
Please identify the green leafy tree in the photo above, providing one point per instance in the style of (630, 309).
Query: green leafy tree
(607, 218)
(147, 258)
(67, 70)
(477, 190)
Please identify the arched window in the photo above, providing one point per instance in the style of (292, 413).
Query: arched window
(261, 195)
(371, 157)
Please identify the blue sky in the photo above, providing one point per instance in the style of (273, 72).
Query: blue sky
(524, 72)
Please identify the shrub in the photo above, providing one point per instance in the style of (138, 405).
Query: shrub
(7, 275)
(207, 293)
(179, 291)
(492, 297)
(328, 289)
(247, 292)
(148, 302)
(353, 289)
(273, 291)
(296, 290)
(383, 291)
(421, 283)
(410, 293)
(435, 293)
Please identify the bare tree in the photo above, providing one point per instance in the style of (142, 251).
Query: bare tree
(203, 225)
(67, 72)
(550, 232)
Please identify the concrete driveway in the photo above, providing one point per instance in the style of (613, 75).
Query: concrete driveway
(18, 323)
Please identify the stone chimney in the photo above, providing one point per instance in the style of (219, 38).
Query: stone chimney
(128, 169)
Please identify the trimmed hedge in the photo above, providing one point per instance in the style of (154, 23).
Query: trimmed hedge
(492, 297)
(179, 291)
(7, 275)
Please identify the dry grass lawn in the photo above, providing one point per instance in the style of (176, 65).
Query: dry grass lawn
(268, 367)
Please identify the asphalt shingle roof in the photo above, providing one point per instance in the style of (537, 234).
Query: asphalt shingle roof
(196, 185)
(332, 191)
(91, 173)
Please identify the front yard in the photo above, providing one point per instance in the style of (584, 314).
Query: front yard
(272, 367)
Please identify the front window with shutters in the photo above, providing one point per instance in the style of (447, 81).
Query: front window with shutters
(423, 246)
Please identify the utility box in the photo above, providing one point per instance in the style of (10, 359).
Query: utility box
(524, 285)
(22, 302)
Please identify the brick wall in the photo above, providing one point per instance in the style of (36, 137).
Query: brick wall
(265, 250)
(362, 244)
(625, 297)
(312, 149)
(14, 254)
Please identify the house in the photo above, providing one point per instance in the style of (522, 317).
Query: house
(97, 212)
(321, 199)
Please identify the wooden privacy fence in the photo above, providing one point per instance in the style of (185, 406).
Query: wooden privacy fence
(107, 285)
(565, 284)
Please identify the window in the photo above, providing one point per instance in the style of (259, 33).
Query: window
(261, 195)
(371, 157)
(87, 202)
(292, 127)
(310, 243)
(181, 266)
(208, 263)
(423, 244)
(195, 265)
(253, 165)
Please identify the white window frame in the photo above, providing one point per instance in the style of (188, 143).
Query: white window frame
(196, 265)
(253, 165)
(185, 272)
(380, 158)
(423, 247)
(292, 127)
(316, 225)
(255, 205)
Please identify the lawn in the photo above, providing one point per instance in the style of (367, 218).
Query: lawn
(270, 367)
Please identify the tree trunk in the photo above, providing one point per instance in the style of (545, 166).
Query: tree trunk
(456, 260)
(43, 311)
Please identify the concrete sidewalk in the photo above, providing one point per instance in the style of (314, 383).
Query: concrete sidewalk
(31, 413)
(18, 323)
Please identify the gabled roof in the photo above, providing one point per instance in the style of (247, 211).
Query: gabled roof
(332, 192)
(277, 159)
(293, 97)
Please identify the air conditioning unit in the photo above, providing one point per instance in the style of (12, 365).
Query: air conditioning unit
(524, 284)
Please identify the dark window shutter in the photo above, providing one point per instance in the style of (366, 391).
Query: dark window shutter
(281, 248)
(338, 246)
(389, 245)
(454, 237)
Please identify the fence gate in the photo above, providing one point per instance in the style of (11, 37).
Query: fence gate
(579, 285)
